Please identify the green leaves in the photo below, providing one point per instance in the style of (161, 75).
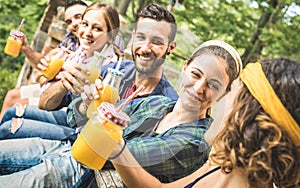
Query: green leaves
(11, 14)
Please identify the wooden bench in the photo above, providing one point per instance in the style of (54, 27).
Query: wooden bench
(108, 178)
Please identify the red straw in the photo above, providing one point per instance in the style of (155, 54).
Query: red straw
(132, 96)
(21, 24)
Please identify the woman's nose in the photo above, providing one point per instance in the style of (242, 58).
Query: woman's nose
(88, 32)
(200, 85)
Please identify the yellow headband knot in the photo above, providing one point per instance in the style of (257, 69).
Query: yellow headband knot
(260, 88)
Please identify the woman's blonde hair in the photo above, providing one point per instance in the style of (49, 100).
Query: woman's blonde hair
(111, 17)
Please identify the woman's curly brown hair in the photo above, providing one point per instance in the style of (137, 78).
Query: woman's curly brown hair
(253, 141)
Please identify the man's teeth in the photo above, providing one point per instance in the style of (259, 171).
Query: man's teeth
(145, 58)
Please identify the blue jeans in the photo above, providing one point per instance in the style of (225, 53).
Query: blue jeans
(36, 123)
(35, 162)
(34, 113)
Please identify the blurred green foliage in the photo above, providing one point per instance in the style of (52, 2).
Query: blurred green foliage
(257, 29)
(11, 14)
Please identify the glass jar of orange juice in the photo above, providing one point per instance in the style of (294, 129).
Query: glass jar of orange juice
(55, 64)
(94, 65)
(109, 92)
(14, 43)
(99, 136)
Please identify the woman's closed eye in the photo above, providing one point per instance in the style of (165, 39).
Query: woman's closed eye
(213, 85)
(196, 74)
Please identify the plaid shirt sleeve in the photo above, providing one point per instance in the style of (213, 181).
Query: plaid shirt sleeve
(74, 117)
(173, 154)
(70, 38)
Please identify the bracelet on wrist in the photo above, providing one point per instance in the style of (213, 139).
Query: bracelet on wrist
(120, 152)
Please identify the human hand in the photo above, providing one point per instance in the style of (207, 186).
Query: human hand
(43, 63)
(91, 92)
(24, 44)
(73, 79)
(118, 150)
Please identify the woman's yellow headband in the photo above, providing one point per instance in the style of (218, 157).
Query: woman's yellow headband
(260, 88)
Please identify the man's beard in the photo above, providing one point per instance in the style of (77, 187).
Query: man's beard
(153, 68)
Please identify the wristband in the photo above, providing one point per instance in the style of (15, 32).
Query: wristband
(114, 157)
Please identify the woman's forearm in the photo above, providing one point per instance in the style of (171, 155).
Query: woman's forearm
(132, 173)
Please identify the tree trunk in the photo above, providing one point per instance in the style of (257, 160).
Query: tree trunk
(123, 6)
(115, 3)
(142, 4)
(253, 51)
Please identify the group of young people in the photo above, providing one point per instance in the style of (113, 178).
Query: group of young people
(257, 144)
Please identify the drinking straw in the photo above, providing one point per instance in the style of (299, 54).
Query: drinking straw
(66, 48)
(119, 64)
(132, 96)
(21, 24)
(104, 48)
(98, 57)
(101, 56)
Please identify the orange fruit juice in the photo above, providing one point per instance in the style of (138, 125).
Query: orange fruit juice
(13, 46)
(107, 94)
(94, 74)
(53, 68)
(96, 142)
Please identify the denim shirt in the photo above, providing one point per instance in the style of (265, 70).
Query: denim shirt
(128, 68)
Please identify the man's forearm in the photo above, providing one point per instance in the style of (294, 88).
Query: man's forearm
(32, 56)
(53, 96)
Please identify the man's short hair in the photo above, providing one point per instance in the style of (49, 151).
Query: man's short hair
(70, 3)
(158, 12)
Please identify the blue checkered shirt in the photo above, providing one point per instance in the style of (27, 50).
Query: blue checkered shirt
(69, 39)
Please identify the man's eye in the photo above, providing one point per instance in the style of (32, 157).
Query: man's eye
(157, 42)
(68, 22)
(138, 37)
(77, 16)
